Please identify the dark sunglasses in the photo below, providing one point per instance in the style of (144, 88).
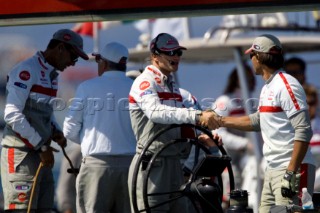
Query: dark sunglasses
(73, 56)
(172, 53)
(252, 54)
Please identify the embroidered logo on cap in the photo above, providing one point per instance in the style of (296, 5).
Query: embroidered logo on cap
(172, 41)
(66, 37)
(257, 47)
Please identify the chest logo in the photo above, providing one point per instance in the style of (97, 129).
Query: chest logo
(144, 85)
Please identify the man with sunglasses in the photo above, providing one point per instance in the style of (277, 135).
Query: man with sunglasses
(284, 122)
(99, 121)
(155, 103)
(30, 124)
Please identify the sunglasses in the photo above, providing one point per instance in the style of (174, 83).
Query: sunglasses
(73, 56)
(172, 52)
(252, 54)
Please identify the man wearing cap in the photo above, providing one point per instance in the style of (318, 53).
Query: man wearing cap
(155, 103)
(284, 122)
(30, 124)
(99, 121)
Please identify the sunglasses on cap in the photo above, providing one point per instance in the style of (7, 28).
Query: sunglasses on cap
(172, 52)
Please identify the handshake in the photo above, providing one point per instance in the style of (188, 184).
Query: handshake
(209, 119)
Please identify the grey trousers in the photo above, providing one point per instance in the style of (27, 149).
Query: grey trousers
(102, 184)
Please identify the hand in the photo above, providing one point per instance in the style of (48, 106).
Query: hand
(207, 141)
(59, 138)
(47, 157)
(209, 119)
(288, 184)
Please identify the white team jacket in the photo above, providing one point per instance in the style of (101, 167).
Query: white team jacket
(153, 107)
(31, 89)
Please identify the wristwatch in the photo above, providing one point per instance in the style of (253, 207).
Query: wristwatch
(44, 148)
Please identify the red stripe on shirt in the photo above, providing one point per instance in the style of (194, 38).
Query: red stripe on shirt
(293, 98)
(270, 109)
(170, 96)
(11, 160)
(44, 90)
(40, 62)
(154, 71)
(237, 112)
(131, 100)
(12, 206)
(24, 140)
(314, 143)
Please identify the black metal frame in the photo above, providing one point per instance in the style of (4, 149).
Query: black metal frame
(185, 188)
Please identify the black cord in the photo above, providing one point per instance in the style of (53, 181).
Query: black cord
(74, 171)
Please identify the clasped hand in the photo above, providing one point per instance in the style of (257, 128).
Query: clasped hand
(209, 119)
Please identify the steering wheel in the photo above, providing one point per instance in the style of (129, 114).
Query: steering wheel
(204, 180)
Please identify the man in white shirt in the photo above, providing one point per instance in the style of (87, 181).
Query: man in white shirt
(99, 120)
(284, 122)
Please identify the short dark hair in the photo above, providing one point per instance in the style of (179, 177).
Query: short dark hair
(53, 43)
(274, 61)
(296, 60)
(117, 66)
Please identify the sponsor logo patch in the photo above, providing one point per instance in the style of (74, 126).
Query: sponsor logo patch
(24, 75)
(22, 187)
(21, 85)
(144, 85)
(22, 196)
(158, 80)
(147, 92)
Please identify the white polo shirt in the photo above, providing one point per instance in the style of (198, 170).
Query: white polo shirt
(99, 117)
(281, 97)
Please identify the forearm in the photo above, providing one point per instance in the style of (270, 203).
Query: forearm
(241, 123)
(299, 151)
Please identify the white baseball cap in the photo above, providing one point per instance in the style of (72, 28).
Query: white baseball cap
(266, 44)
(115, 52)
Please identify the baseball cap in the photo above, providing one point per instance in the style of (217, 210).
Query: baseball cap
(266, 44)
(114, 52)
(69, 37)
(165, 42)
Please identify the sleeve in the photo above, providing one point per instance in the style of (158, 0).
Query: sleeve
(146, 97)
(20, 81)
(302, 126)
(73, 122)
(255, 121)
